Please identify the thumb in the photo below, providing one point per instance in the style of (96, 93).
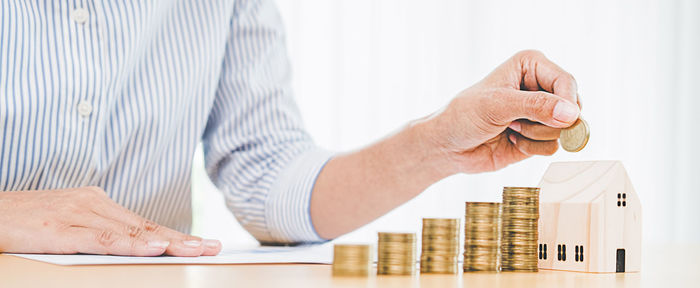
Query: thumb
(538, 106)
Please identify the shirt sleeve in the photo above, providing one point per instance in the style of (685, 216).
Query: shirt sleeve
(256, 149)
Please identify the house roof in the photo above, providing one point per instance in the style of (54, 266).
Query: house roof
(580, 181)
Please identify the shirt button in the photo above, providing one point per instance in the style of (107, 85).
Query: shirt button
(80, 15)
(84, 109)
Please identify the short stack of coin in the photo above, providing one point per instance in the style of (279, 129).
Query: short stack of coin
(482, 232)
(396, 253)
(352, 260)
(440, 245)
(520, 212)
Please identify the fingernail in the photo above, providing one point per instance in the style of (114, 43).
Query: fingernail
(513, 139)
(158, 244)
(192, 243)
(580, 100)
(515, 126)
(565, 112)
(211, 243)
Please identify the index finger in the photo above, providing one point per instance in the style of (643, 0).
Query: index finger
(540, 73)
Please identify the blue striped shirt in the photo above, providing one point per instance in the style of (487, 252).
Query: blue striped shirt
(117, 94)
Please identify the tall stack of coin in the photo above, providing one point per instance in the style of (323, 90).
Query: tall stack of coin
(440, 246)
(482, 232)
(396, 253)
(519, 227)
(352, 260)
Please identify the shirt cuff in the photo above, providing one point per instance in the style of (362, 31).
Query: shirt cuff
(288, 204)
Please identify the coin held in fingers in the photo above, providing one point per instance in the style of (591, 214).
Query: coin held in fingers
(575, 138)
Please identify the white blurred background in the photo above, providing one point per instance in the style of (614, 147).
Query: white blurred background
(363, 68)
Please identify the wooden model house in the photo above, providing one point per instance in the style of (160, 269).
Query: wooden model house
(590, 218)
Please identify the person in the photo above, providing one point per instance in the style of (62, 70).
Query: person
(103, 104)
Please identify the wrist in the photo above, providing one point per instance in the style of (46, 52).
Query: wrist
(430, 149)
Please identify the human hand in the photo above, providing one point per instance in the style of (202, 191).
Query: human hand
(515, 112)
(85, 220)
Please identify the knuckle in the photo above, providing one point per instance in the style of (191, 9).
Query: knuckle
(530, 54)
(135, 232)
(106, 238)
(192, 237)
(150, 226)
(570, 77)
(568, 80)
(539, 103)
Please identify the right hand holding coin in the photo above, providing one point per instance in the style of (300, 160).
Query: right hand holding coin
(515, 112)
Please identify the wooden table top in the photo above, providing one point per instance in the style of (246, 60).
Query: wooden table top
(668, 265)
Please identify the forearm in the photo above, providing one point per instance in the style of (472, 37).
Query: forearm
(358, 187)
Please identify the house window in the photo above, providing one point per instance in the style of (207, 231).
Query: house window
(561, 252)
(622, 199)
(542, 251)
(580, 257)
(579, 253)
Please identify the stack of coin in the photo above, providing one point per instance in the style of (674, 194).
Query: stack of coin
(482, 224)
(519, 227)
(396, 253)
(440, 246)
(352, 260)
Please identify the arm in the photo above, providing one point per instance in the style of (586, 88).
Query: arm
(486, 127)
(274, 178)
(256, 149)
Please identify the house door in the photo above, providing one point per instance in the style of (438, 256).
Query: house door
(620, 263)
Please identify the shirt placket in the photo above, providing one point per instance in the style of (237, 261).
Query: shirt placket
(87, 93)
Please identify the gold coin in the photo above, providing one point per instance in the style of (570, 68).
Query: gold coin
(574, 138)
(396, 237)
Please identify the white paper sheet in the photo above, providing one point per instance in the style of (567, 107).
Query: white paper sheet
(265, 254)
